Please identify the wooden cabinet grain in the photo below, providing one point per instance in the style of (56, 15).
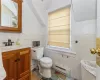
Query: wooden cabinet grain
(10, 65)
(24, 63)
(17, 64)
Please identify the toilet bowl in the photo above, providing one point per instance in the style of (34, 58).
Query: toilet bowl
(45, 63)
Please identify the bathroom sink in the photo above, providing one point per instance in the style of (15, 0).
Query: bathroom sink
(10, 48)
(90, 66)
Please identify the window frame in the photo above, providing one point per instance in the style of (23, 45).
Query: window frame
(58, 47)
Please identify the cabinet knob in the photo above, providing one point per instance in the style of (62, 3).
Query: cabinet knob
(16, 60)
(34, 51)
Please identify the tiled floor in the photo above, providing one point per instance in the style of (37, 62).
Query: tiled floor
(36, 76)
(55, 76)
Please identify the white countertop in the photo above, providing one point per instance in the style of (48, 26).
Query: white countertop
(11, 48)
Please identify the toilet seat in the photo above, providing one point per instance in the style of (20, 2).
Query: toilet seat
(46, 60)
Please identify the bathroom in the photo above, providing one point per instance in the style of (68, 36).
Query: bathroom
(84, 33)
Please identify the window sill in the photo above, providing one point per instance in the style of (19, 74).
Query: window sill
(60, 49)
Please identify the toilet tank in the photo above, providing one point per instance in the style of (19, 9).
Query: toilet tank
(37, 53)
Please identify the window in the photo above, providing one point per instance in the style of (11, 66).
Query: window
(59, 28)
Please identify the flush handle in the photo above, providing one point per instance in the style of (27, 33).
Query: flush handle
(34, 51)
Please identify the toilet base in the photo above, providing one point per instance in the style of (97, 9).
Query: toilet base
(46, 73)
(45, 79)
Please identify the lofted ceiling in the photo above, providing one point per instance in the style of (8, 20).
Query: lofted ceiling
(39, 8)
(84, 9)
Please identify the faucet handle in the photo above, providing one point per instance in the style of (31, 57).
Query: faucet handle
(5, 43)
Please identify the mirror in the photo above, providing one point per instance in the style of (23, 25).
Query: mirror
(11, 15)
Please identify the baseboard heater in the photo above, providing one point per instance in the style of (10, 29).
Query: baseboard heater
(60, 69)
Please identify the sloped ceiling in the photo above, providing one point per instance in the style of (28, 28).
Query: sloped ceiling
(57, 4)
(47, 3)
(84, 9)
(39, 8)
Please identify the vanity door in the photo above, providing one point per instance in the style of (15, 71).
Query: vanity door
(10, 65)
(24, 64)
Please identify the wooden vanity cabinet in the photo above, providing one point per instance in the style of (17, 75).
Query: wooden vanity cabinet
(24, 65)
(17, 64)
(10, 65)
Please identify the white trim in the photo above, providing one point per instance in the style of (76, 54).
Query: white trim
(61, 49)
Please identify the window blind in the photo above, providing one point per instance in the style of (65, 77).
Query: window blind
(59, 28)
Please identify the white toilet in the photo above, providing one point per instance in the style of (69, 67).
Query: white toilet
(45, 63)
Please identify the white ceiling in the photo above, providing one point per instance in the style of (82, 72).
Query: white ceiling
(39, 7)
(56, 4)
(84, 9)
(47, 3)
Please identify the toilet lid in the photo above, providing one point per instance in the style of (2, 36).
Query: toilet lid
(46, 60)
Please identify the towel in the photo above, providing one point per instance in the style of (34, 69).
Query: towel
(2, 70)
